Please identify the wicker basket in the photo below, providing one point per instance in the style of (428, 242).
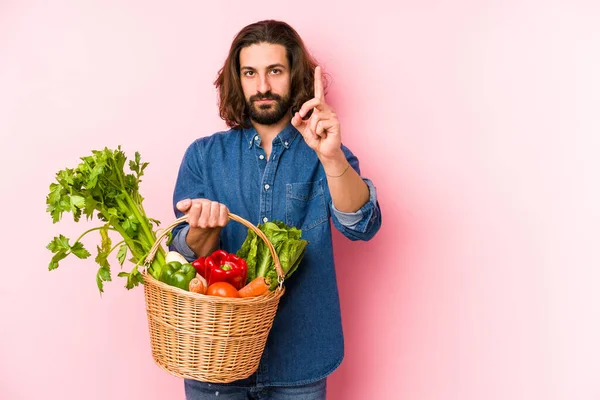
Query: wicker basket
(208, 338)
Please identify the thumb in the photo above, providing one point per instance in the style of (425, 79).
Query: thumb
(297, 121)
(184, 205)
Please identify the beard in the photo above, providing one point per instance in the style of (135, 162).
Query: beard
(268, 114)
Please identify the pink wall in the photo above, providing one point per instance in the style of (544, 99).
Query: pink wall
(478, 121)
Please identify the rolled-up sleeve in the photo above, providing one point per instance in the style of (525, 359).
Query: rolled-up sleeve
(180, 245)
(362, 224)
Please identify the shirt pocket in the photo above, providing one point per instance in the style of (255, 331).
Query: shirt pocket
(305, 205)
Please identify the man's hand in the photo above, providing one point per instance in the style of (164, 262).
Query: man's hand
(203, 213)
(206, 219)
(322, 130)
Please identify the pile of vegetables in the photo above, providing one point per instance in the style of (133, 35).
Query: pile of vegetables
(251, 272)
(100, 187)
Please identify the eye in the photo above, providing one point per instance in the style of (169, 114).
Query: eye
(275, 71)
(248, 73)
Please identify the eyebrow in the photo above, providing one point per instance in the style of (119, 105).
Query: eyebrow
(268, 67)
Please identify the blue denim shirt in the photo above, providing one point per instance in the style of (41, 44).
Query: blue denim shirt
(306, 341)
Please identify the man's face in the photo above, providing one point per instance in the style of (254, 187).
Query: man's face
(265, 77)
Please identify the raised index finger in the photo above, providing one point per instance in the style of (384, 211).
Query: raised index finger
(319, 84)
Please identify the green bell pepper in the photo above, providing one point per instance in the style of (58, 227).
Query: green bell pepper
(177, 274)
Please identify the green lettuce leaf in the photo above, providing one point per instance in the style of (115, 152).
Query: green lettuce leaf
(288, 244)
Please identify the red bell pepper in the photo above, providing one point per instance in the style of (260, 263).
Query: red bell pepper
(221, 266)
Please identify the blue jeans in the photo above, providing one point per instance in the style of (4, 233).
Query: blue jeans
(195, 390)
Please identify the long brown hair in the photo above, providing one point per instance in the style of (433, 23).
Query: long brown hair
(232, 104)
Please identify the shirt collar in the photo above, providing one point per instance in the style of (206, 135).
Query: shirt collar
(285, 137)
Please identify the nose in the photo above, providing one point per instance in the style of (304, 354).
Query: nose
(263, 84)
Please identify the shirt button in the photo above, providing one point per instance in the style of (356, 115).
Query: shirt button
(256, 138)
(261, 157)
(286, 143)
(265, 219)
(267, 186)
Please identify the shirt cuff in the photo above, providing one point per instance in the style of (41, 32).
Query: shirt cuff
(351, 220)
(180, 245)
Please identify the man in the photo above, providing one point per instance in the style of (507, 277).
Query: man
(282, 159)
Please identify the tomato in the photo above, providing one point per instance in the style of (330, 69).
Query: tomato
(223, 289)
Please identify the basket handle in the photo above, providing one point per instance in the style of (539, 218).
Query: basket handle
(234, 217)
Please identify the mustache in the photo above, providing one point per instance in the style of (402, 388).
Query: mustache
(265, 96)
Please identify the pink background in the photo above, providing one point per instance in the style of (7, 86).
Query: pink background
(478, 121)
